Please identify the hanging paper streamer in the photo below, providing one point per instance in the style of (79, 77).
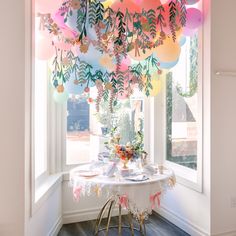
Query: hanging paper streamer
(114, 45)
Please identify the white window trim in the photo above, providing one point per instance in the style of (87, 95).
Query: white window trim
(42, 187)
(62, 124)
(185, 176)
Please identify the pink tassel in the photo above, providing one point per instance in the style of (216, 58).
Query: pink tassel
(77, 193)
(123, 201)
(155, 198)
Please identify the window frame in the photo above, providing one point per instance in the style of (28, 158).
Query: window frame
(185, 176)
(62, 126)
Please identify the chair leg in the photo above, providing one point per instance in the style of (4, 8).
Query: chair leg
(109, 217)
(120, 222)
(131, 223)
(100, 215)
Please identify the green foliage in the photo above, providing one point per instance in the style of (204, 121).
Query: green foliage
(172, 18)
(152, 22)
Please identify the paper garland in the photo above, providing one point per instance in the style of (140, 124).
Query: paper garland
(113, 45)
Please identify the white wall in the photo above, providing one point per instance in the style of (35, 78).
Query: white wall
(223, 119)
(12, 118)
(86, 209)
(47, 220)
(185, 207)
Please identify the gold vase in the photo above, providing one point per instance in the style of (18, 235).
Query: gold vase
(125, 162)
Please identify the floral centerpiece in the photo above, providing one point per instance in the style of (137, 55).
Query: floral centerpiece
(125, 152)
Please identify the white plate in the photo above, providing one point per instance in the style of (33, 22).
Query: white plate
(87, 173)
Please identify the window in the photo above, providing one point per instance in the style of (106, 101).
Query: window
(87, 130)
(40, 114)
(182, 107)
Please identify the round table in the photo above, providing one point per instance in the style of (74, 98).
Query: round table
(137, 197)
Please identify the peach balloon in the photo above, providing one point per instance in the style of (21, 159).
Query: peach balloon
(169, 51)
(44, 49)
(47, 6)
(140, 55)
(126, 4)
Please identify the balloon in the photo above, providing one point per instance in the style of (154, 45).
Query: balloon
(139, 55)
(107, 62)
(126, 4)
(62, 45)
(67, 32)
(164, 1)
(73, 88)
(126, 62)
(194, 18)
(182, 40)
(191, 2)
(168, 65)
(107, 3)
(44, 49)
(169, 51)
(189, 32)
(60, 97)
(156, 87)
(122, 96)
(47, 6)
(147, 4)
(92, 57)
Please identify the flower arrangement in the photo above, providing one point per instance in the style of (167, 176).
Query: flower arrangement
(127, 152)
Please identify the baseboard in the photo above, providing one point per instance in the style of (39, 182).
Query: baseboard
(85, 215)
(56, 227)
(182, 223)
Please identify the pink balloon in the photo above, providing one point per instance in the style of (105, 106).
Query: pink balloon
(147, 4)
(67, 32)
(122, 96)
(44, 49)
(164, 1)
(62, 45)
(194, 18)
(47, 6)
(189, 32)
(58, 18)
(125, 64)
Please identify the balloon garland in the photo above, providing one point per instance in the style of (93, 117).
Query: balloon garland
(113, 45)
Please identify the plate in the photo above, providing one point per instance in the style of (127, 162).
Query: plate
(87, 173)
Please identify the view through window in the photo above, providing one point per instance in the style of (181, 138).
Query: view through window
(87, 130)
(182, 107)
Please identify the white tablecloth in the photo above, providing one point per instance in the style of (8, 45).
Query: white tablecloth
(138, 197)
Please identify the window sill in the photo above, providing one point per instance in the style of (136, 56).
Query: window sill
(185, 176)
(45, 190)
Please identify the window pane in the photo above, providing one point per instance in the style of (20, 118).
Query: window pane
(182, 107)
(40, 111)
(87, 130)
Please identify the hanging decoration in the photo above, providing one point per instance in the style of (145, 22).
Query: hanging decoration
(115, 45)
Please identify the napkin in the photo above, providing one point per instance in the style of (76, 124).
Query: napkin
(137, 178)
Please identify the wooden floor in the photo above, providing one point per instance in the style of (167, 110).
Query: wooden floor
(155, 226)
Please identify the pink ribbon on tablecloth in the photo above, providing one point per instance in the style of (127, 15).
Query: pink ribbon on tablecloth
(123, 201)
(155, 198)
(77, 193)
